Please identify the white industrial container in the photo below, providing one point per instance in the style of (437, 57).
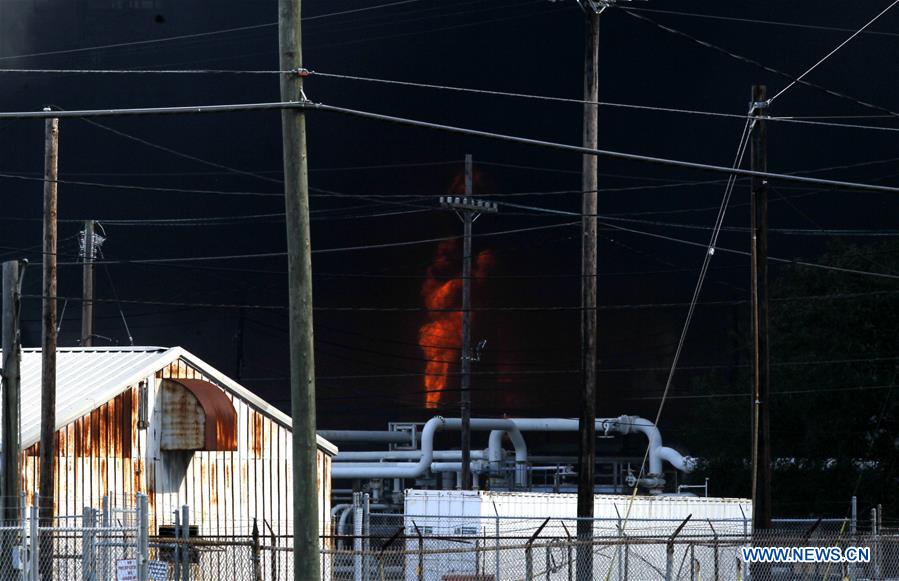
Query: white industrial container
(506, 519)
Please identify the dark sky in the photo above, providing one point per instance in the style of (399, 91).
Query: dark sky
(527, 47)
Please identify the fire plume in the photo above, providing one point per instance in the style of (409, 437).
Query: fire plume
(440, 338)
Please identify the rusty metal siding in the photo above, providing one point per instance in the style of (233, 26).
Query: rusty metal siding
(94, 457)
(227, 490)
(103, 452)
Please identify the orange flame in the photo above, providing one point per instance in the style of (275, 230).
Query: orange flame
(440, 338)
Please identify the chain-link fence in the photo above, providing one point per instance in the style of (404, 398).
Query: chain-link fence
(112, 543)
(100, 543)
(621, 558)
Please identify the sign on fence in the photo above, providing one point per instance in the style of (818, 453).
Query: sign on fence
(126, 570)
(158, 571)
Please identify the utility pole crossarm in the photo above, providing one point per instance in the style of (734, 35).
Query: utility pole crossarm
(469, 204)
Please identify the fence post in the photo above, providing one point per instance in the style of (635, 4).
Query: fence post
(257, 567)
(879, 545)
(358, 518)
(366, 534)
(477, 557)
(693, 561)
(570, 555)
(669, 548)
(143, 538)
(34, 572)
(176, 550)
(715, 545)
(104, 535)
(185, 535)
(86, 542)
(876, 543)
(853, 532)
(420, 573)
(23, 550)
(548, 561)
(496, 527)
(528, 553)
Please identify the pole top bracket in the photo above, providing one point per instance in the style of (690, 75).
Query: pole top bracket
(595, 6)
(755, 106)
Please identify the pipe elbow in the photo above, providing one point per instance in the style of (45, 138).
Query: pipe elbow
(683, 463)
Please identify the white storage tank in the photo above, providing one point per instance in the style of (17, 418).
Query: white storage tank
(486, 520)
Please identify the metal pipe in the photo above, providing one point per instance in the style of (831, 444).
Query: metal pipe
(378, 455)
(622, 425)
(381, 436)
(476, 467)
(337, 508)
(417, 469)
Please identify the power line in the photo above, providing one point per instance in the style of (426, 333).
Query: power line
(182, 154)
(203, 34)
(745, 253)
(419, 309)
(759, 21)
(774, 393)
(598, 152)
(832, 52)
(448, 129)
(756, 63)
(141, 188)
(652, 108)
(323, 250)
(306, 72)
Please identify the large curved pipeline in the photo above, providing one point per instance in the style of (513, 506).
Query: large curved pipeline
(431, 427)
(372, 464)
(621, 425)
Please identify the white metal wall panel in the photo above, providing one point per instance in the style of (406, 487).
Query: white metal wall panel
(473, 514)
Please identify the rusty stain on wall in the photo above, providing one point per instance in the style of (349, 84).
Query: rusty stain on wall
(103, 453)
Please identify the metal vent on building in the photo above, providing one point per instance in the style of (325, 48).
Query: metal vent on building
(197, 415)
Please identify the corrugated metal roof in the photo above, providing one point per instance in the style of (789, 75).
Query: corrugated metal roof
(89, 376)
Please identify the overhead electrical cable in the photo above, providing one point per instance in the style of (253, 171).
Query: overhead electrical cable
(756, 63)
(204, 34)
(306, 72)
(833, 52)
(447, 129)
(675, 360)
(760, 21)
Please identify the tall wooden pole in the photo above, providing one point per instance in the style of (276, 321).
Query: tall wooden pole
(299, 270)
(12, 354)
(761, 466)
(467, 219)
(589, 180)
(87, 286)
(48, 343)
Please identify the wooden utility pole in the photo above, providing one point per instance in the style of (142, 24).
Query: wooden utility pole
(761, 454)
(467, 220)
(11, 397)
(87, 286)
(299, 270)
(589, 180)
(48, 343)
(469, 209)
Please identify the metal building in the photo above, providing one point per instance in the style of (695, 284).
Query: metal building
(163, 422)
